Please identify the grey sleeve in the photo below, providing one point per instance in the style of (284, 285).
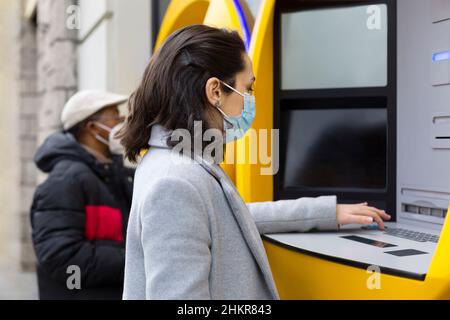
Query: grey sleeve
(300, 215)
(176, 242)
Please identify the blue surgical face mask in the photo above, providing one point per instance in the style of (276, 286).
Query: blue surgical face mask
(237, 126)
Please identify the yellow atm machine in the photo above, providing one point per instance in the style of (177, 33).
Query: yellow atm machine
(328, 80)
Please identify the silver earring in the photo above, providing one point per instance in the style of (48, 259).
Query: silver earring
(217, 105)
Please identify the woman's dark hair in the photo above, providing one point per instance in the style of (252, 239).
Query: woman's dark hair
(172, 92)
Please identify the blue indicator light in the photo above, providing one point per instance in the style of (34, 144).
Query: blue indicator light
(440, 56)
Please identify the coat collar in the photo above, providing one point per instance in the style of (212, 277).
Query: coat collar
(159, 136)
(97, 155)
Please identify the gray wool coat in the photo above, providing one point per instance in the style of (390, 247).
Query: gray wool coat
(191, 236)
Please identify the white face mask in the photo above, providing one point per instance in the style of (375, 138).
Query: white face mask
(113, 143)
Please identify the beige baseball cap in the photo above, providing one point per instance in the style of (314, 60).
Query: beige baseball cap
(85, 103)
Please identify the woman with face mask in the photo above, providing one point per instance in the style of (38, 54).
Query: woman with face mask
(190, 234)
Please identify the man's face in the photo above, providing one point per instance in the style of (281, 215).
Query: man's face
(110, 117)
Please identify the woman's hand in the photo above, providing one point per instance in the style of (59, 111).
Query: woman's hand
(360, 214)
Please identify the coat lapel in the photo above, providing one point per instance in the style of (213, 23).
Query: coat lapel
(245, 221)
(238, 207)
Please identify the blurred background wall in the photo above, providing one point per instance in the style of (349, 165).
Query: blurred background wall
(11, 220)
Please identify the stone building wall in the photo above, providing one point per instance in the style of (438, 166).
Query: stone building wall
(47, 80)
(28, 108)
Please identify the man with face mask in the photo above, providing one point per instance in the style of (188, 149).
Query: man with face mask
(80, 213)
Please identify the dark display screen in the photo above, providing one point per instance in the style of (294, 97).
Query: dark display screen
(334, 148)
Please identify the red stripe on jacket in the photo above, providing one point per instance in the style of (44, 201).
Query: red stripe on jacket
(103, 223)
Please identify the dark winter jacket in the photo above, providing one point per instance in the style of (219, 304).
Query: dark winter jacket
(79, 218)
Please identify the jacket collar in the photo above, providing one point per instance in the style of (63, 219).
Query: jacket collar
(159, 136)
(97, 155)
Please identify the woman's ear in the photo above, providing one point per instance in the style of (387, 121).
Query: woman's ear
(212, 90)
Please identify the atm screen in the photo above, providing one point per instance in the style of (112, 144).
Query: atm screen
(334, 48)
(334, 148)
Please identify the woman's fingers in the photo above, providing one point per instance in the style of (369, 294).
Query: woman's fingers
(361, 214)
(360, 219)
(363, 204)
(367, 211)
(381, 213)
